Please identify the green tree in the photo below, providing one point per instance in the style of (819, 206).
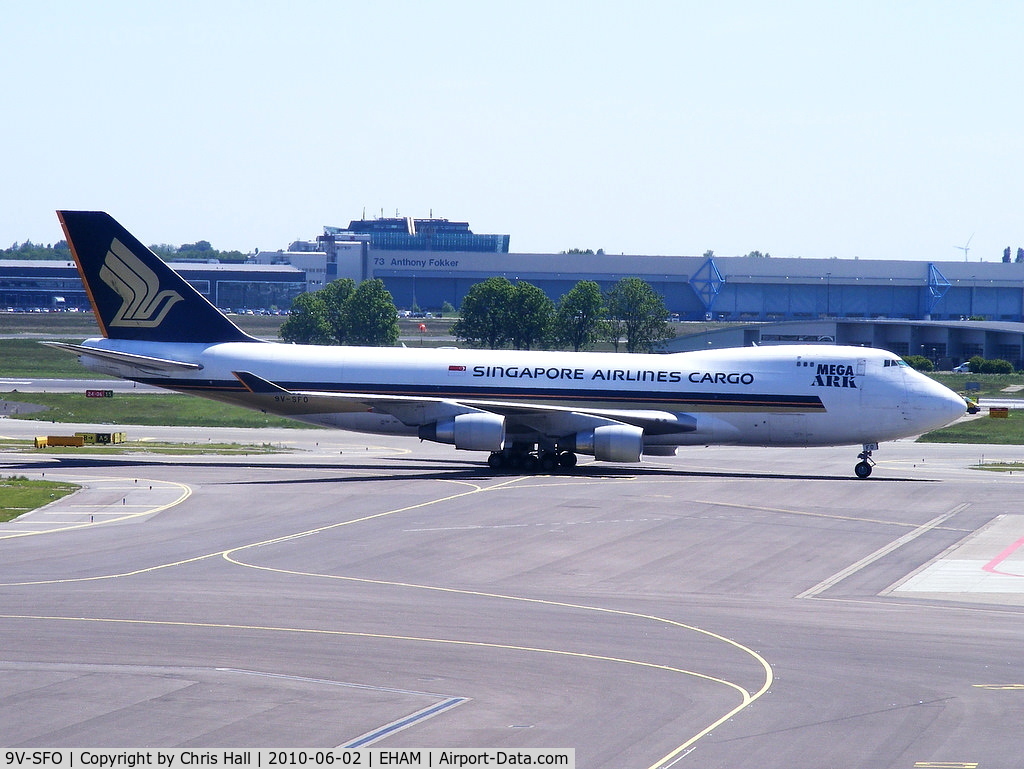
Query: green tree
(585, 251)
(307, 323)
(372, 315)
(200, 246)
(611, 330)
(530, 314)
(980, 365)
(37, 251)
(578, 318)
(341, 313)
(485, 314)
(165, 251)
(997, 366)
(335, 296)
(919, 362)
(641, 312)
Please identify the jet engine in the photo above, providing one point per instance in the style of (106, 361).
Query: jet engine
(612, 443)
(473, 432)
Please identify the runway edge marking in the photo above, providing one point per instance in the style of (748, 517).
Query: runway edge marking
(883, 551)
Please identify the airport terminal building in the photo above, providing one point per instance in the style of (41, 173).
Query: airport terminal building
(34, 285)
(738, 288)
(695, 288)
(729, 288)
(426, 263)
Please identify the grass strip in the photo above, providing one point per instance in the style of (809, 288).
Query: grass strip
(168, 410)
(151, 447)
(27, 358)
(1000, 467)
(19, 495)
(989, 385)
(983, 429)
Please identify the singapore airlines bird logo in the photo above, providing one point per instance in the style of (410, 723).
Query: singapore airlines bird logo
(144, 305)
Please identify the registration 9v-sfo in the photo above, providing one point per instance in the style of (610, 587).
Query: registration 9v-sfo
(33, 758)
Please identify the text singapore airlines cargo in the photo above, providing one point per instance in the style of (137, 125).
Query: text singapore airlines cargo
(529, 410)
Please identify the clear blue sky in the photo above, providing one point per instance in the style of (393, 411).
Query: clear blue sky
(814, 129)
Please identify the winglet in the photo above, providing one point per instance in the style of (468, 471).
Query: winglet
(134, 294)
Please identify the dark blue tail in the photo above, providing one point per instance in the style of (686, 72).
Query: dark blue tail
(134, 294)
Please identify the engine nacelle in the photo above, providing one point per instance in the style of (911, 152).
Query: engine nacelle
(612, 443)
(473, 432)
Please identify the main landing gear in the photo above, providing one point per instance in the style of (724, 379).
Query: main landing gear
(531, 461)
(863, 468)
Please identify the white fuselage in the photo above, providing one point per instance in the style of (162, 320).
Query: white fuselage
(798, 395)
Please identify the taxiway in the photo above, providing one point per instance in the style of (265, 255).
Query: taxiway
(724, 608)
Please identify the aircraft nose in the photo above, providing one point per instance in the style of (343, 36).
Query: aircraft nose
(954, 405)
(943, 404)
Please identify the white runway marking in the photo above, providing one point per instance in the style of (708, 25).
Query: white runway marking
(880, 553)
(541, 524)
(989, 561)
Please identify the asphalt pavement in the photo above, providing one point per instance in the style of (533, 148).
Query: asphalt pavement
(728, 607)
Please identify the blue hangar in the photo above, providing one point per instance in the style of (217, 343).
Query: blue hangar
(427, 262)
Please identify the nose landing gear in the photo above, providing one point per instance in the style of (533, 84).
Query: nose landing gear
(863, 468)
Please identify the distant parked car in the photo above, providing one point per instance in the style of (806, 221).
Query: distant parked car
(963, 368)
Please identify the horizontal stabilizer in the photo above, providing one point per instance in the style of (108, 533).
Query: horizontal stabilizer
(126, 358)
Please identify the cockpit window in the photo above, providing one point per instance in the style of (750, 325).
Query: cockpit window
(896, 362)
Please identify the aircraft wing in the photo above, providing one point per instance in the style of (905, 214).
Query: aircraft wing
(549, 420)
(407, 409)
(561, 420)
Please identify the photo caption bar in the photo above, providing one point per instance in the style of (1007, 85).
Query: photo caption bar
(79, 758)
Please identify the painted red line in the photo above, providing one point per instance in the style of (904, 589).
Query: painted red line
(992, 565)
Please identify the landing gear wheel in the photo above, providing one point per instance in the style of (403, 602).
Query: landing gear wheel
(863, 468)
(496, 461)
(567, 460)
(548, 462)
(530, 463)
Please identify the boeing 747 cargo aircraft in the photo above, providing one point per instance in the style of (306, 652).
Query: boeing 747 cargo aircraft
(529, 410)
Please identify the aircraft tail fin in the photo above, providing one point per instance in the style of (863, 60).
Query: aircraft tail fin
(134, 294)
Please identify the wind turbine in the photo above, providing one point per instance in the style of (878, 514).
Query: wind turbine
(966, 246)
